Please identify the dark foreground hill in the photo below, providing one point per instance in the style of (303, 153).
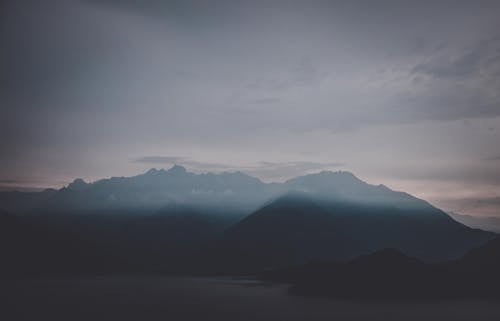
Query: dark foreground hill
(297, 228)
(105, 244)
(30, 248)
(390, 274)
(27, 249)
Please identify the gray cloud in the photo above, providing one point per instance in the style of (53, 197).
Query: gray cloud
(449, 67)
(495, 201)
(161, 160)
(486, 206)
(399, 90)
(492, 158)
(267, 101)
(184, 161)
(7, 181)
(481, 57)
(304, 74)
(473, 174)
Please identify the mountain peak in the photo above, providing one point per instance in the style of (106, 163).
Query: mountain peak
(327, 181)
(344, 174)
(77, 185)
(385, 256)
(177, 169)
(152, 171)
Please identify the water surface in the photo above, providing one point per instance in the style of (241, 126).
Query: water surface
(182, 298)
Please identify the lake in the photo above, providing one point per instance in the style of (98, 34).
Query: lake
(187, 298)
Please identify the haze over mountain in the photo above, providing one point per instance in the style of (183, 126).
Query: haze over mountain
(297, 228)
(170, 219)
(228, 191)
(156, 188)
(150, 191)
(480, 222)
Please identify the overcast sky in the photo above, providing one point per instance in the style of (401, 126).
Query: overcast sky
(403, 93)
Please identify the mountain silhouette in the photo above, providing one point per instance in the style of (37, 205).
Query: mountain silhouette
(235, 193)
(78, 185)
(229, 191)
(485, 258)
(174, 220)
(297, 228)
(283, 232)
(388, 273)
(30, 249)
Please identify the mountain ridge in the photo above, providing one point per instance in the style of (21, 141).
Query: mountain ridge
(156, 188)
(389, 273)
(297, 228)
(326, 215)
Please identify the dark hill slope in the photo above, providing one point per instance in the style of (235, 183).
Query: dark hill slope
(391, 274)
(299, 228)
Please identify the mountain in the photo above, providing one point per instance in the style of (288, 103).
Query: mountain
(228, 192)
(104, 244)
(297, 228)
(485, 258)
(224, 192)
(344, 186)
(286, 231)
(491, 224)
(155, 189)
(29, 249)
(386, 260)
(388, 273)
(78, 185)
(232, 222)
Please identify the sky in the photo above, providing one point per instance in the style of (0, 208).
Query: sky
(401, 93)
